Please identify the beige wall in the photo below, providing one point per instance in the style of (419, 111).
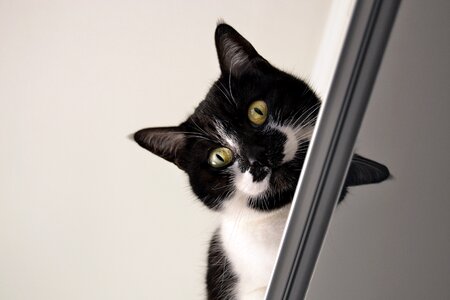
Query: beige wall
(85, 213)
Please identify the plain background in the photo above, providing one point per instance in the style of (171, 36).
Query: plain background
(84, 212)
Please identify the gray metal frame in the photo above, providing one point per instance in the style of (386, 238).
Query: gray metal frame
(331, 147)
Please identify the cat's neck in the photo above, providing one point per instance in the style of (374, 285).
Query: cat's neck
(251, 239)
(237, 208)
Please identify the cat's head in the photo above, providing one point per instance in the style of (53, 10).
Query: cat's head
(249, 137)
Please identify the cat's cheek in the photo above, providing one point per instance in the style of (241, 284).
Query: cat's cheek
(290, 145)
(210, 187)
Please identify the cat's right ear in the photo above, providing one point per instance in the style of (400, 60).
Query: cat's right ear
(166, 142)
(235, 53)
(365, 171)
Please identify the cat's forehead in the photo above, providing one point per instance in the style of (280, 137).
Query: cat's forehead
(214, 126)
(223, 114)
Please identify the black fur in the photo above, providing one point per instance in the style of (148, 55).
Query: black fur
(245, 77)
(220, 279)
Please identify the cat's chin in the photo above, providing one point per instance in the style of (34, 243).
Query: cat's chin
(247, 186)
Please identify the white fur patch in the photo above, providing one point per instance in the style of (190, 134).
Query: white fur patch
(228, 138)
(293, 137)
(291, 144)
(244, 183)
(251, 240)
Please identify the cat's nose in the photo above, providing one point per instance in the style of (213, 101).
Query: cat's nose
(259, 171)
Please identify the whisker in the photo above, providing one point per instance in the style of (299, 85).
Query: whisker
(229, 81)
(226, 96)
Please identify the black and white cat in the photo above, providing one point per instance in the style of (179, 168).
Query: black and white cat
(243, 149)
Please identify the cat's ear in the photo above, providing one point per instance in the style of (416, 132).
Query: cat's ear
(166, 142)
(235, 53)
(365, 171)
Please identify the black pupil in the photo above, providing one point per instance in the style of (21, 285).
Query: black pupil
(220, 158)
(258, 111)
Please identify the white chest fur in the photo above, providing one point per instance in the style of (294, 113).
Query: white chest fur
(251, 240)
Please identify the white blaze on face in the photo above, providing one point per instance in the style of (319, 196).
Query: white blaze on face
(244, 183)
(291, 144)
(229, 138)
(293, 136)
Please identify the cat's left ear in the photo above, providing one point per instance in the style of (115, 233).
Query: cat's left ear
(235, 53)
(166, 142)
(365, 171)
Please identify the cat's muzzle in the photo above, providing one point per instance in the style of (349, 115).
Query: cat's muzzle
(259, 171)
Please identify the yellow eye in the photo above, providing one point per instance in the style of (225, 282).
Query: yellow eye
(220, 157)
(258, 112)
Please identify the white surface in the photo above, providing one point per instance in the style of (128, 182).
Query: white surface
(335, 30)
(84, 212)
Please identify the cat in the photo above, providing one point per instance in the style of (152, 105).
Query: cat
(243, 149)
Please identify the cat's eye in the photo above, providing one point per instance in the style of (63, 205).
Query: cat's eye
(220, 157)
(258, 112)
